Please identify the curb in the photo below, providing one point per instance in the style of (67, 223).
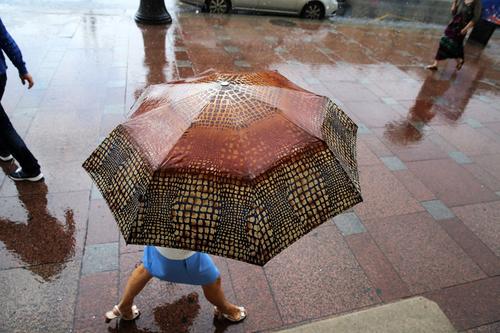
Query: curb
(413, 315)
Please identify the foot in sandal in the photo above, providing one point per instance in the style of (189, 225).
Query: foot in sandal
(117, 314)
(237, 315)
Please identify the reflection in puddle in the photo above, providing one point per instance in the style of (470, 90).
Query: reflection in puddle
(154, 39)
(42, 239)
(172, 317)
(178, 316)
(445, 94)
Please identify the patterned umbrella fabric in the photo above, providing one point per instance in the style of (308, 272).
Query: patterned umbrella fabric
(239, 165)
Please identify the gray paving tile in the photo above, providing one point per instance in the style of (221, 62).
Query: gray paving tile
(176, 37)
(411, 80)
(223, 38)
(349, 224)
(26, 112)
(438, 210)
(326, 50)
(114, 109)
(498, 193)
(32, 100)
(419, 125)
(440, 101)
(389, 100)
(96, 194)
(242, 63)
(362, 129)
(34, 304)
(100, 258)
(365, 81)
(393, 163)
(271, 39)
(54, 56)
(485, 98)
(116, 84)
(473, 123)
(459, 157)
(184, 64)
(41, 84)
(312, 80)
(46, 73)
(52, 64)
(119, 64)
(232, 49)
(280, 49)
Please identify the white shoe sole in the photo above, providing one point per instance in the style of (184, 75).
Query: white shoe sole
(6, 158)
(30, 179)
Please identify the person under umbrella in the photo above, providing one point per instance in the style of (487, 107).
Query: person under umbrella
(465, 13)
(238, 165)
(178, 266)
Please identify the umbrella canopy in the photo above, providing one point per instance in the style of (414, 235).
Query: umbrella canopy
(238, 165)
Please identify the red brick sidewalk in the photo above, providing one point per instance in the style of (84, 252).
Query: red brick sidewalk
(428, 149)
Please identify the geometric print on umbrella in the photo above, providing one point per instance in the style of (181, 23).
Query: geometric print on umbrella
(248, 217)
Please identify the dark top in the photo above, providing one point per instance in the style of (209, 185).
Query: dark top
(9, 46)
(473, 8)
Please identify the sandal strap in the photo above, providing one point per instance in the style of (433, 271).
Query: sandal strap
(242, 314)
(110, 315)
(116, 310)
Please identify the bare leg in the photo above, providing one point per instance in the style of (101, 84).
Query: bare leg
(136, 282)
(215, 295)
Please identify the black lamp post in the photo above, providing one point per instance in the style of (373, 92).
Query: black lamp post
(152, 12)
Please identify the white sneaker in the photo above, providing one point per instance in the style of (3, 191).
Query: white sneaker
(6, 158)
(20, 175)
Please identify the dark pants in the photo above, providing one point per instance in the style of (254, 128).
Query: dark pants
(11, 142)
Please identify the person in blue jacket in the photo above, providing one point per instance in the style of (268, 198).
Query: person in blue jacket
(12, 145)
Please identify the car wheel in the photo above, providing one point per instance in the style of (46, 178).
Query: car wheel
(313, 10)
(218, 6)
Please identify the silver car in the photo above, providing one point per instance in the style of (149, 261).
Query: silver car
(315, 9)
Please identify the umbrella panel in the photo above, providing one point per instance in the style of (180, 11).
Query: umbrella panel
(214, 212)
(246, 205)
(244, 152)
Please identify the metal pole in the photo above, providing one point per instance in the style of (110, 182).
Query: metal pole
(152, 12)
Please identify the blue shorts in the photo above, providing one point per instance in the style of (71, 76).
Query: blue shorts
(199, 269)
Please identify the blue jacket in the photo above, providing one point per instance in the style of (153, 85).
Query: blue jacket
(9, 46)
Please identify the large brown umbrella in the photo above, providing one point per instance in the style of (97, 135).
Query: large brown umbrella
(238, 165)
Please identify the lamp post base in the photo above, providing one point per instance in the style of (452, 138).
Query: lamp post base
(152, 12)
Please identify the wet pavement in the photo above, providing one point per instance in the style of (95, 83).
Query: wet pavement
(428, 149)
(425, 11)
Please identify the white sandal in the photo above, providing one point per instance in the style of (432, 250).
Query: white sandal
(116, 314)
(220, 315)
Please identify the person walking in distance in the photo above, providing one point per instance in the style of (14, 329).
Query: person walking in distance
(12, 145)
(465, 14)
